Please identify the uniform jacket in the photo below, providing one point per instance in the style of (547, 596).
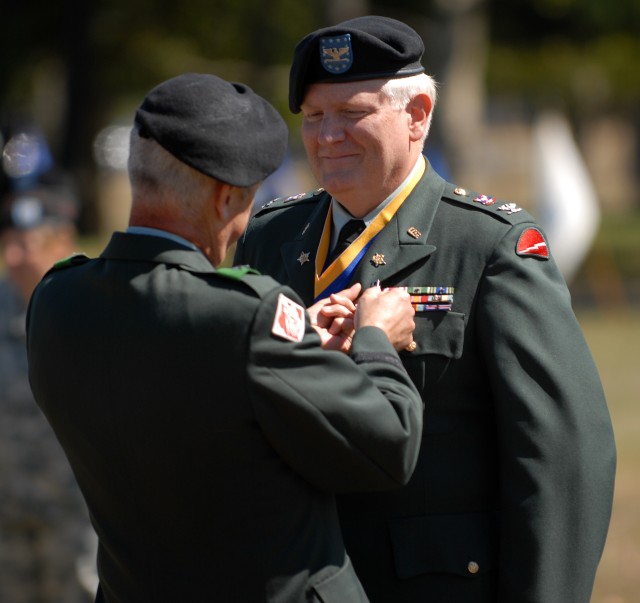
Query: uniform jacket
(208, 448)
(511, 498)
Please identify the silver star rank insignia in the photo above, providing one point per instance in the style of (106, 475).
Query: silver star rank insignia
(378, 259)
(510, 208)
(304, 257)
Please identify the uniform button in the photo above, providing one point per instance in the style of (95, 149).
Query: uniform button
(460, 191)
(473, 567)
(411, 347)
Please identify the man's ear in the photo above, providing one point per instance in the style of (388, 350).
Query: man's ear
(222, 200)
(419, 108)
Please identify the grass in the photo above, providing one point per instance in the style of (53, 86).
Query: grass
(614, 338)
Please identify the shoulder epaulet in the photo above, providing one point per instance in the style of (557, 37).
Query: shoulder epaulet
(260, 284)
(282, 202)
(505, 210)
(236, 273)
(73, 260)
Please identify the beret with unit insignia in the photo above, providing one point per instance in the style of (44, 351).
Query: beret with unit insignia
(363, 48)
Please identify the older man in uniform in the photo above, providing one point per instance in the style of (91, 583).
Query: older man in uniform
(511, 498)
(43, 519)
(192, 401)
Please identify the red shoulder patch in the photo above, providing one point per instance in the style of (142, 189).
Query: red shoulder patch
(288, 322)
(532, 242)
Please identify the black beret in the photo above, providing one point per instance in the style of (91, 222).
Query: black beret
(38, 207)
(222, 129)
(363, 48)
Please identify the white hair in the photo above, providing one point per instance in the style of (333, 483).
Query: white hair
(400, 91)
(159, 178)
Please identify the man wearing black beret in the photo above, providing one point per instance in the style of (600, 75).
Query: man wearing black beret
(191, 400)
(511, 498)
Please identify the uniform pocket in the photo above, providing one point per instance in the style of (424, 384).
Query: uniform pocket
(440, 335)
(464, 544)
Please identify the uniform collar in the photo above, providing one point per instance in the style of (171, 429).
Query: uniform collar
(165, 234)
(160, 250)
(341, 215)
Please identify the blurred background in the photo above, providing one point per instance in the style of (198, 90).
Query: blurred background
(539, 104)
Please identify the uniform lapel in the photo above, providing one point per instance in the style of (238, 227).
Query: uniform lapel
(399, 248)
(299, 255)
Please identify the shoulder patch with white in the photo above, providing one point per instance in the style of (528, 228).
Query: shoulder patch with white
(288, 322)
(532, 243)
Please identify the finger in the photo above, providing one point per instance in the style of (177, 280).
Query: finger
(342, 325)
(337, 310)
(352, 292)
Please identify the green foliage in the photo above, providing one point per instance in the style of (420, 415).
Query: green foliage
(581, 54)
(619, 235)
(581, 51)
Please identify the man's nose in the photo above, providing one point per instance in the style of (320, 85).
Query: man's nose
(331, 130)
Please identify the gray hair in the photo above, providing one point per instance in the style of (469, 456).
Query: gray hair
(159, 178)
(400, 91)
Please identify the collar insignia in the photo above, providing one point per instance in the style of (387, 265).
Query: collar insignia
(484, 200)
(510, 208)
(304, 257)
(378, 260)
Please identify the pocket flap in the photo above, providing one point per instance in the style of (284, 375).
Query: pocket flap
(464, 544)
(440, 333)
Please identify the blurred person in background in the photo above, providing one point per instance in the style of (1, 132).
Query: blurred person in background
(511, 498)
(44, 524)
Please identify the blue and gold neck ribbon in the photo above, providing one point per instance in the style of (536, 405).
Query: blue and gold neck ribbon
(338, 273)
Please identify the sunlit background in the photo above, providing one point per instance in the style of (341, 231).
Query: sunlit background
(539, 104)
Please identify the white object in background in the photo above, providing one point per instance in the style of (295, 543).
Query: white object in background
(566, 203)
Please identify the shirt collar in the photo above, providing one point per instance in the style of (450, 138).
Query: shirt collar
(341, 216)
(164, 234)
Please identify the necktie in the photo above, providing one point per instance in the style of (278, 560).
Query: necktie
(348, 234)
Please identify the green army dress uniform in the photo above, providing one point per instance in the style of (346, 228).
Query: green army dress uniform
(204, 436)
(511, 498)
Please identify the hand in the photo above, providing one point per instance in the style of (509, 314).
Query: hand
(332, 318)
(391, 311)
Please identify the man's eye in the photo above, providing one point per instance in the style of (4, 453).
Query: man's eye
(316, 116)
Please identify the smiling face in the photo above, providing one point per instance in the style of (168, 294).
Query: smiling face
(360, 147)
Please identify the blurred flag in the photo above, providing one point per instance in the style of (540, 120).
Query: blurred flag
(565, 198)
